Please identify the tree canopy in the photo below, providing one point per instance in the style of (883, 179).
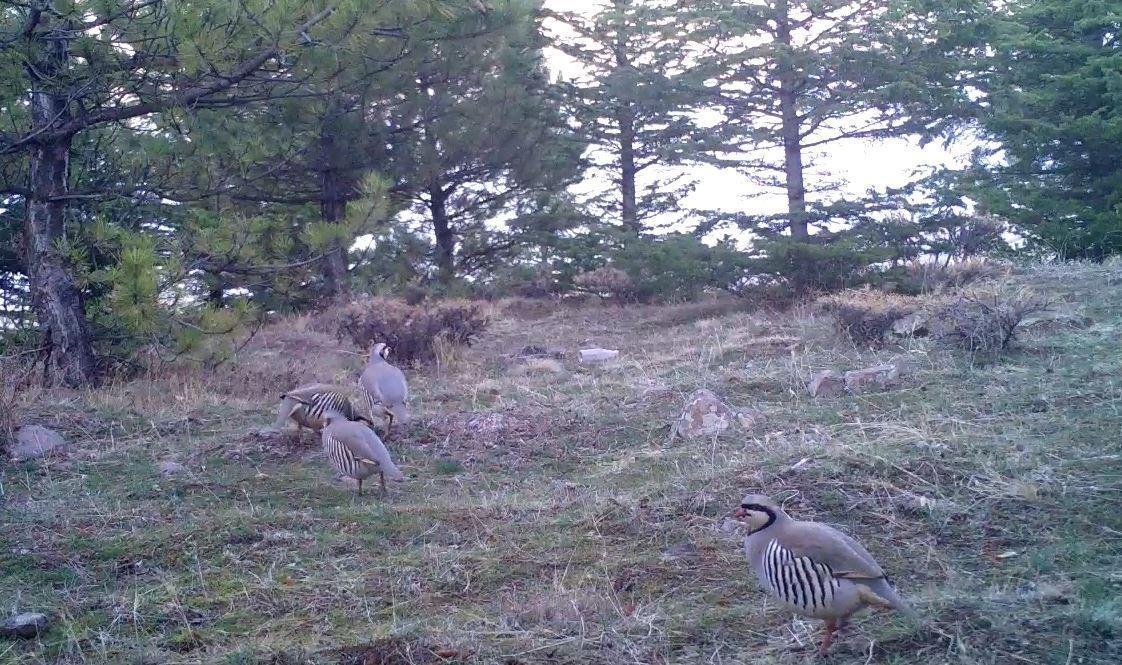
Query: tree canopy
(173, 170)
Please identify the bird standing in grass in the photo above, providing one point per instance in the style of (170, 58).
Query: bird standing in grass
(306, 405)
(354, 450)
(811, 568)
(384, 387)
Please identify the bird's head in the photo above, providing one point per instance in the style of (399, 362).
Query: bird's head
(757, 512)
(380, 350)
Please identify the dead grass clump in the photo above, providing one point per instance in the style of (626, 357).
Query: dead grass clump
(414, 332)
(391, 651)
(928, 276)
(866, 316)
(15, 378)
(984, 322)
(560, 610)
(699, 311)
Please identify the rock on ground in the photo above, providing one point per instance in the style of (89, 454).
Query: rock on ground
(881, 376)
(826, 383)
(36, 441)
(171, 468)
(706, 415)
(26, 625)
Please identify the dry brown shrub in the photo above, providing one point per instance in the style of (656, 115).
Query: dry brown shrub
(984, 321)
(528, 309)
(771, 296)
(283, 355)
(414, 332)
(605, 282)
(866, 315)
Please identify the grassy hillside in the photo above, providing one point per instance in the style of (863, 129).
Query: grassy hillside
(551, 518)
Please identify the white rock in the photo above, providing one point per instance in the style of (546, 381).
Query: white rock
(35, 441)
(706, 415)
(597, 355)
(26, 625)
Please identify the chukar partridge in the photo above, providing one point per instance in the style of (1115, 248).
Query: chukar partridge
(355, 451)
(384, 387)
(306, 405)
(811, 568)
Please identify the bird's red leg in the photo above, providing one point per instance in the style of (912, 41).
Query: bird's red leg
(382, 479)
(831, 626)
(359, 486)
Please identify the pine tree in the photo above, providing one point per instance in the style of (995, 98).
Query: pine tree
(318, 148)
(486, 139)
(1051, 102)
(632, 98)
(793, 77)
(83, 65)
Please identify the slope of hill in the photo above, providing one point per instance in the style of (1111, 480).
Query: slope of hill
(553, 519)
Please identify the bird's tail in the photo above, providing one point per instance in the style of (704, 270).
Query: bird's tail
(400, 413)
(288, 405)
(883, 589)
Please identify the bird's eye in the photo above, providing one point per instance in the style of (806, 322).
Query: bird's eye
(745, 506)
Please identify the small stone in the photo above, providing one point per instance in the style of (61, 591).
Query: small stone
(913, 325)
(881, 376)
(684, 550)
(535, 351)
(170, 468)
(281, 536)
(705, 415)
(36, 441)
(26, 625)
(597, 355)
(826, 383)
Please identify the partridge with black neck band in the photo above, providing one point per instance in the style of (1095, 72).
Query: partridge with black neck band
(811, 568)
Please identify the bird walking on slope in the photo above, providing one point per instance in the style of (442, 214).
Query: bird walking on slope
(355, 451)
(306, 405)
(384, 387)
(811, 568)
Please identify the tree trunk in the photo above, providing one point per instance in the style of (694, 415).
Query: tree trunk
(333, 210)
(629, 212)
(625, 119)
(791, 132)
(54, 294)
(445, 238)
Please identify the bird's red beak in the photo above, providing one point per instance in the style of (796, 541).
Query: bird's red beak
(740, 513)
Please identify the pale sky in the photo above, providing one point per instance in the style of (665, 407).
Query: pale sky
(858, 164)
